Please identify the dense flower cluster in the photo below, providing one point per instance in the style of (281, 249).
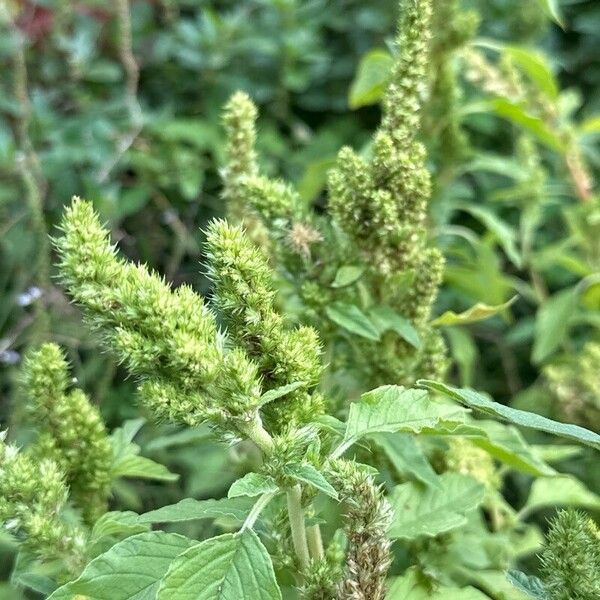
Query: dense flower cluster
(378, 202)
(189, 371)
(70, 430)
(571, 557)
(32, 496)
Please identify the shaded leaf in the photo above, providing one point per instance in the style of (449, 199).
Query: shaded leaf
(386, 319)
(308, 474)
(412, 586)
(252, 484)
(371, 78)
(347, 275)
(222, 568)
(559, 491)
(351, 318)
(478, 401)
(280, 391)
(429, 511)
(130, 570)
(407, 457)
(552, 323)
(532, 586)
(190, 509)
(477, 312)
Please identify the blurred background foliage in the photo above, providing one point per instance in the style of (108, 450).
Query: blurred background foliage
(120, 102)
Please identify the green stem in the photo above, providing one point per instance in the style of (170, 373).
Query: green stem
(315, 542)
(261, 503)
(296, 516)
(258, 434)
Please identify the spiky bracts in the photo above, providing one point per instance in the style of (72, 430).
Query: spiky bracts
(32, 495)
(244, 295)
(368, 516)
(168, 338)
(381, 203)
(70, 430)
(571, 557)
(239, 117)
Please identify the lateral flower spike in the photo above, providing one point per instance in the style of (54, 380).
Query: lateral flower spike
(167, 338)
(32, 495)
(245, 297)
(70, 430)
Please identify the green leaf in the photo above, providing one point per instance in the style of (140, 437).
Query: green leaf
(371, 78)
(252, 484)
(347, 275)
(503, 232)
(429, 511)
(473, 399)
(142, 468)
(535, 66)
(506, 443)
(126, 459)
(413, 586)
(532, 586)
(189, 435)
(190, 510)
(391, 408)
(517, 114)
(280, 391)
(464, 351)
(226, 567)
(130, 570)
(115, 523)
(386, 319)
(559, 491)
(552, 10)
(308, 474)
(590, 126)
(351, 318)
(407, 457)
(477, 312)
(553, 454)
(552, 323)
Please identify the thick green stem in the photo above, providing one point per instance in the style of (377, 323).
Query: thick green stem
(258, 434)
(296, 516)
(315, 542)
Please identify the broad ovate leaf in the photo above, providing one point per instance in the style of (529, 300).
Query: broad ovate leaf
(280, 391)
(130, 570)
(531, 586)
(253, 484)
(141, 467)
(391, 408)
(406, 456)
(347, 275)
(306, 473)
(429, 511)
(478, 401)
(352, 319)
(190, 509)
(559, 491)
(386, 319)
(371, 78)
(477, 312)
(227, 567)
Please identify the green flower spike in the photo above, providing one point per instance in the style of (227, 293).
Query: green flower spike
(71, 431)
